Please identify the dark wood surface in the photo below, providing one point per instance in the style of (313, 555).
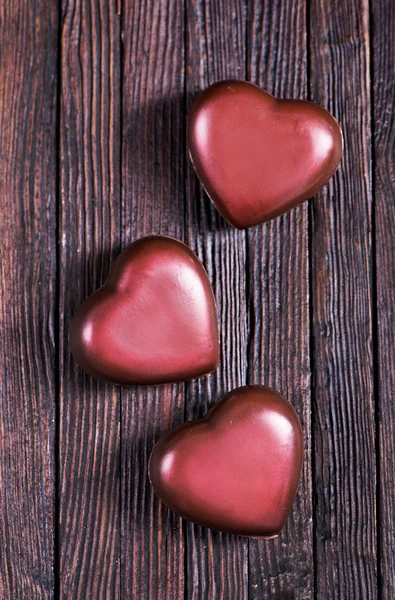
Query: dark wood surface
(342, 306)
(28, 298)
(383, 304)
(89, 234)
(94, 97)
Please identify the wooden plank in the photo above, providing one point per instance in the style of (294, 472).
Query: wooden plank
(344, 448)
(383, 46)
(153, 160)
(89, 231)
(28, 87)
(278, 266)
(217, 564)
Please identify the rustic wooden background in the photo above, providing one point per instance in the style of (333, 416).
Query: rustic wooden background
(94, 96)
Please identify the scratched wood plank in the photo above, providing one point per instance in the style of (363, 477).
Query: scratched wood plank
(278, 267)
(383, 45)
(28, 87)
(153, 160)
(344, 437)
(217, 564)
(89, 232)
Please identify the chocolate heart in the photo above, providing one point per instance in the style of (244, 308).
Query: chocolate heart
(257, 156)
(236, 470)
(153, 321)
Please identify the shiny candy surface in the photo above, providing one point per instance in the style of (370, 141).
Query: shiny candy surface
(153, 321)
(257, 156)
(237, 470)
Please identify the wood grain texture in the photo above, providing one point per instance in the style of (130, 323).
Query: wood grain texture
(27, 297)
(89, 232)
(278, 267)
(344, 449)
(216, 564)
(153, 160)
(129, 72)
(383, 45)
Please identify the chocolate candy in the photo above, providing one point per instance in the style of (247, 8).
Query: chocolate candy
(236, 470)
(257, 156)
(153, 321)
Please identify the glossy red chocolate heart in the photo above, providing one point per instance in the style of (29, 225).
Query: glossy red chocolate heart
(257, 156)
(237, 470)
(153, 321)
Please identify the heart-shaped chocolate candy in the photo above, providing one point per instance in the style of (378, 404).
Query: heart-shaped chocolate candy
(153, 321)
(237, 470)
(257, 156)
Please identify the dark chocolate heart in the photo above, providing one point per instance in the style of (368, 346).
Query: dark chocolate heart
(237, 470)
(153, 321)
(257, 156)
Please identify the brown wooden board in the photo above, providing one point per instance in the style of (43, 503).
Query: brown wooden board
(89, 240)
(383, 46)
(153, 160)
(94, 97)
(217, 564)
(278, 294)
(341, 247)
(28, 67)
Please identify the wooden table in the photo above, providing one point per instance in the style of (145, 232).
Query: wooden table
(93, 103)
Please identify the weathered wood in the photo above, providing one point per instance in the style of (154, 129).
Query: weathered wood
(115, 539)
(383, 46)
(153, 159)
(344, 437)
(278, 267)
(217, 564)
(28, 64)
(89, 232)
